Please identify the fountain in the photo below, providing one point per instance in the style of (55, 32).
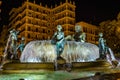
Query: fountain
(38, 57)
(64, 54)
(42, 52)
(60, 51)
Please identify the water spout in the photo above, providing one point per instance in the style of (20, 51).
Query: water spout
(112, 54)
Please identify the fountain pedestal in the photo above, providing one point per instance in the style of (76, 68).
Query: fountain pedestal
(61, 64)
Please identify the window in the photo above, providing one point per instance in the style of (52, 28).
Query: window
(43, 30)
(36, 29)
(28, 35)
(30, 7)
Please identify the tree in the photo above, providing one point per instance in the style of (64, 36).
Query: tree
(109, 29)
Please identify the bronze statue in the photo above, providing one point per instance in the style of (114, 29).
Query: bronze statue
(101, 45)
(13, 44)
(58, 40)
(79, 35)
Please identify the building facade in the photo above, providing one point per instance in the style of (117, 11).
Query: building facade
(90, 31)
(36, 22)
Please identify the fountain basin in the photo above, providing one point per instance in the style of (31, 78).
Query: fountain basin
(49, 66)
(28, 66)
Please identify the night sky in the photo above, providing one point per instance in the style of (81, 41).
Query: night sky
(91, 11)
(95, 11)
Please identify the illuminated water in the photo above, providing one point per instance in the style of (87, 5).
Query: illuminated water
(112, 55)
(57, 75)
(39, 51)
(5, 52)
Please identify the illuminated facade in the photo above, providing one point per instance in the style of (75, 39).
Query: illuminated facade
(36, 22)
(90, 31)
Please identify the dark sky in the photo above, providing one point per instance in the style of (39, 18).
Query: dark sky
(95, 11)
(91, 11)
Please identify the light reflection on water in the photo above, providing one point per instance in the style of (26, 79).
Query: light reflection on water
(57, 75)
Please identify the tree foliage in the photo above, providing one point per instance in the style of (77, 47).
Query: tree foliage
(110, 30)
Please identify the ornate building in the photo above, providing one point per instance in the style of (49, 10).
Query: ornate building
(36, 22)
(90, 31)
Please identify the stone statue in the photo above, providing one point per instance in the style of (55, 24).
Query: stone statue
(79, 35)
(58, 40)
(101, 45)
(21, 45)
(13, 45)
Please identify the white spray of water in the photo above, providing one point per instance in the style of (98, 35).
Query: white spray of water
(39, 51)
(112, 55)
(5, 51)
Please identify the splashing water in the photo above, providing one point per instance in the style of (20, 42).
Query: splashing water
(110, 57)
(39, 51)
(5, 52)
(80, 52)
(111, 54)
